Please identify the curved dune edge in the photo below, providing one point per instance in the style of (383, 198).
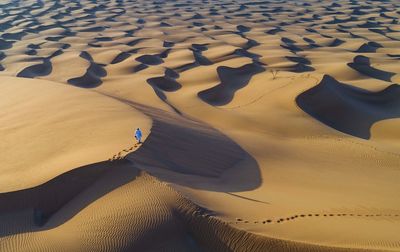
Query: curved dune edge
(349, 109)
(177, 222)
(191, 153)
(281, 181)
(61, 128)
(115, 200)
(217, 235)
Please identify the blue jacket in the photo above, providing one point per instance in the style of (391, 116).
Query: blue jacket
(138, 133)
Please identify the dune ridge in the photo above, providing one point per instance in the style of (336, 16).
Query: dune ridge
(349, 109)
(206, 230)
(267, 125)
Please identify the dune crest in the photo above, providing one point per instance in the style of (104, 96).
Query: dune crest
(55, 127)
(349, 109)
(267, 125)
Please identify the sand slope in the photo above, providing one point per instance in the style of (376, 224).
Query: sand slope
(51, 125)
(268, 125)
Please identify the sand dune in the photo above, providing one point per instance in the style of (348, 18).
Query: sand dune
(47, 127)
(355, 110)
(268, 125)
(223, 93)
(362, 64)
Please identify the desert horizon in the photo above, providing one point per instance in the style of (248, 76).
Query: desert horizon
(230, 125)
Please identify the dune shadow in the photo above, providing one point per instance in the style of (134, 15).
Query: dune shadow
(92, 76)
(164, 83)
(120, 57)
(14, 35)
(5, 44)
(150, 59)
(48, 203)
(370, 47)
(362, 65)
(290, 45)
(232, 79)
(336, 42)
(42, 69)
(302, 65)
(350, 109)
(187, 152)
(179, 150)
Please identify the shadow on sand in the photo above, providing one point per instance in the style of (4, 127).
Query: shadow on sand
(42, 202)
(178, 150)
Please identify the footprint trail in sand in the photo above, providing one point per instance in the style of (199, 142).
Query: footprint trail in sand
(268, 125)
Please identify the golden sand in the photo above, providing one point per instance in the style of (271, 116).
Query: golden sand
(268, 126)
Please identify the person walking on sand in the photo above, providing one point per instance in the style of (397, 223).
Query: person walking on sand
(138, 135)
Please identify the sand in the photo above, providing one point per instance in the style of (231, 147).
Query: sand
(268, 126)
